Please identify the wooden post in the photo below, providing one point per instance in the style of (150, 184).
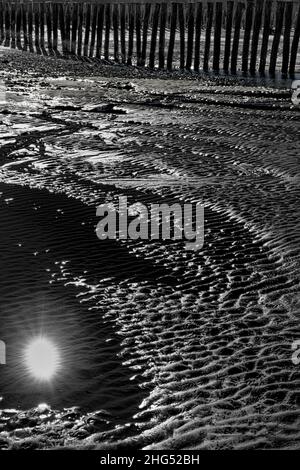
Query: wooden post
(24, 26)
(255, 35)
(116, 31)
(236, 37)
(131, 32)
(42, 26)
(229, 17)
(62, 27)
(74, 28)
(247, 34)
(7, 25)
(100, 19)
(190, 39)
(68, 27)
(80, 29)
(37, 27)
(2, 36)
(18, 25)
(147, 11)
(94, 27)
(87, 30)
(172, 36)
(123, 33)
(295, 44)
(107, 31)
(265, 39)
(13, 25)
(286, 38)
(138, 33)
(49, 27)
(276, 40)
(162, 34)
(30, 26)
(210, 13)
(198, 37)
(55, 27)
(154, 35)
(181, 17)
(217, 36)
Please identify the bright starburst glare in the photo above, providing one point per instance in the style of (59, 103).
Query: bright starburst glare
(42, 358)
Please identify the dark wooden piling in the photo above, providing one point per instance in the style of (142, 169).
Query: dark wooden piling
(228, 33)
(74, 28)
(55, 27)
(295, 44)
(198, 37)
(265, 39)
(13, 24)
(130, 33)
(236, 36)
(217, 36)
(209, 21)
(42, 27)
(172, 36)
(286, 38)
(37, 27)
(18, 25)
(255, 35)
(87, 27)
(94, 29)
(100, 20)
(181, 18)
(7, 24)
(107, 31)
(62, 27)
(138, 33)
(162, 36)
(147, 11)
(2, 35)
(49, 27)
(68, 27)
(24, 26)
(116, 31)
(278, 29)
(80, 29)
(155, 20)
(123, 32)
(247, 35)
(30, 26)
(190, 35)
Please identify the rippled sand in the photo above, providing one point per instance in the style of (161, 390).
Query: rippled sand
(162, 348)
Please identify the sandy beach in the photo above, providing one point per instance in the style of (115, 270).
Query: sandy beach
(162, 348)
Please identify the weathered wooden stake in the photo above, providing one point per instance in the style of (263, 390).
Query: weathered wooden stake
(7, 24)
(37, 27)
(295, 44)
(154, 35)
(74, 28)
(181, 17)
(276, 40)
(147, 11)
(13, 25)
(107, 31)
(162, 34)
(198, 37)
(116, 31)
(87, 29)
(286, 38)
(210, 13)
(49, 27)
(172, 36)
(24, 26)
(138, 33)
(55, 27)
(131, 32)
(190, 38)
(1, 22)
(217, 36)
(255, 35)
(229, 18)
(42, 27)
(265, 39)
(236, 36)
(80, 28)
(100, 19)
(18, 25)
(94, 27)
(247, 34)
(30, 26)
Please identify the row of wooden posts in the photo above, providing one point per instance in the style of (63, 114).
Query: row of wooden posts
(249, 32)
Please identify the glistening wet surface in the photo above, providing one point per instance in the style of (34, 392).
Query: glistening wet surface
(160, 347)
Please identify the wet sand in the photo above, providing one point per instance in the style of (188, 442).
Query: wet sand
(162, 348)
